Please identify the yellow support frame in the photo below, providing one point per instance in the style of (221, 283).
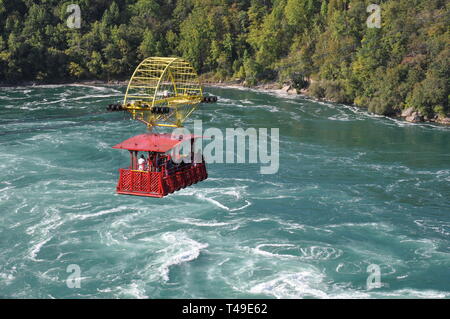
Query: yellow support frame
(168, 82)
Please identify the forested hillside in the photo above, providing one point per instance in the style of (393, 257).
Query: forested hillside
(324, 44)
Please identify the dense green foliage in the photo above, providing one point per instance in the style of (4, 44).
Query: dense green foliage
(327, 43)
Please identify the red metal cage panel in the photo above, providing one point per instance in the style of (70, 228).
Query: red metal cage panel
(159, 184)
(140, 183)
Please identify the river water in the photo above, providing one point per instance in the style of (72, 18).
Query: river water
(352, 190)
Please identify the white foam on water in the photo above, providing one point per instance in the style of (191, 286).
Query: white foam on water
(258, 250)
(6, 188)
(37, 248)
(91, 96)
(270, 108)
(320, 252)
(220, 205)
(42, 86)
(12, 98)
(304, 253)
(412, 293)
(7, 278)
(428, 251)
(101, 213)
(133, 290)
(246, 104)
(4, 197)
(222, 99)
(176, 249)
(348, 268)
(310, 283)
(213, 201)
(223, 179)
(200, 223)
(24, 107)
(344, 118)
(439, 227)
(295, 226)
(60, 255)
(246, 101)
(223, 261)
(47, 275)
(374, 225)
(98, 88)
(102, 146)
(215, 195)
(263, 219)
(49, 222)
(43, 231)
(275, 197)
(64, 102)
(109, 238)
(301, 284)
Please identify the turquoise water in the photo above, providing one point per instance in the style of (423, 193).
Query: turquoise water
(352, 190)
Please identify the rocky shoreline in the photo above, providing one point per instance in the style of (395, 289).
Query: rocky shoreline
(414, 116)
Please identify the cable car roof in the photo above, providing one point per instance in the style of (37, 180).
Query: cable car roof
(160, 143)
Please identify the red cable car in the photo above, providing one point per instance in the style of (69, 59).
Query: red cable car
(162, 93)
(160, 175)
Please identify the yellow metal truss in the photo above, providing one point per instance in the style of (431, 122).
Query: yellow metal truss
(169, 83)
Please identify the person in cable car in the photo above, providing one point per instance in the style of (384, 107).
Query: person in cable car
(169, 165)
(151, 162)
(156, 161)
(160, 161)
(141, 163)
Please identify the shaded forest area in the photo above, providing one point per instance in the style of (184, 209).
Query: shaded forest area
(323, 45)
